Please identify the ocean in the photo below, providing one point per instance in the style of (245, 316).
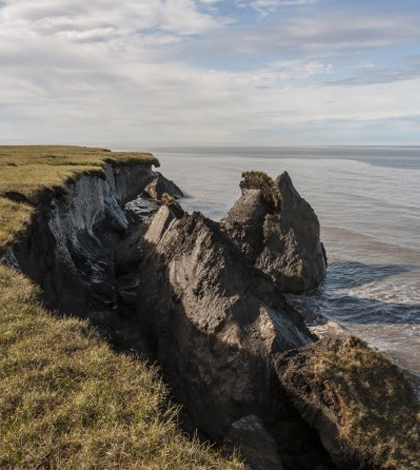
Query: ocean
(368, 203)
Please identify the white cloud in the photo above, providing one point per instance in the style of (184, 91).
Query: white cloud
(48, 17)
(73, 71)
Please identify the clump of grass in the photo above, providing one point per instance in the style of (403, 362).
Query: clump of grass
(380, 414)
(67, 401)
(261, 181)
(28, 172)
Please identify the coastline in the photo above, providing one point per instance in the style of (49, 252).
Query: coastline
(182, 290)
(368, 223)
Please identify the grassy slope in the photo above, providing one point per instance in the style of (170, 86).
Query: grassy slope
(66, 400)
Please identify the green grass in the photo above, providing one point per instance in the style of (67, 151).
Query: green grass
(29, 170)
(67, 401)
(380, 418)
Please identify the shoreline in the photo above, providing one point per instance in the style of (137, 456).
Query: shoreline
(357, 198)
(193, 296)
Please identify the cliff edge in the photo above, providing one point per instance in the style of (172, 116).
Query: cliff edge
(204, 301)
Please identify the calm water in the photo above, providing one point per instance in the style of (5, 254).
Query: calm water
(368, 203)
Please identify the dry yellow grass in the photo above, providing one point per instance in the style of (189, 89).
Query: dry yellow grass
(13, 218)
(67, 401)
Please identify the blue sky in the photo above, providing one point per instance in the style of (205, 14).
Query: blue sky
(240, 72)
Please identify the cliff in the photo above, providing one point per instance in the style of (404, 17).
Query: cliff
(202, 300)
(67, 398)
(360, 403)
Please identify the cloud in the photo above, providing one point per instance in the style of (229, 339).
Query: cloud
(49, 17)
(181, 71)
(324, 34)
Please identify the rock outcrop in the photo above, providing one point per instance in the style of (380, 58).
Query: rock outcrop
(214, 321)
(160, 186)
(278, 231)
(361, 405)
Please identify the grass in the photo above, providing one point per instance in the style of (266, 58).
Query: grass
(14, 217)
(261, 181)
(67, 401)
(28, 172)
(380, 419)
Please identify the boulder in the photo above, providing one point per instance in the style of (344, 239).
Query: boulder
(360, 404)
(213, 320)
(160, 186)
(278, 231)
(255, 444)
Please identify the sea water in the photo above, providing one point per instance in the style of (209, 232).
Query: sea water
(368, 203)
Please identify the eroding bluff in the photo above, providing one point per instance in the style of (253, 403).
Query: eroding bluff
(278, 231)
(214, 323)
(213, 320)
(204, 300)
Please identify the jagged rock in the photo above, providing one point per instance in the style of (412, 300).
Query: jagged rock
(278, 231)
(159, 224)
(128, 181)
(256, 445)
(140, 209)
(160, 186)
(362, 406)
(173, 205)
(213, 321)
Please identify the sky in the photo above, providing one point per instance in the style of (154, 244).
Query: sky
(138, 73)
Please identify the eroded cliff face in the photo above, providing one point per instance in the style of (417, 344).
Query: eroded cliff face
(161, 186)
(215, 320)
(181, 292)
(69, 248)
(361, 404)
(204, 300)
